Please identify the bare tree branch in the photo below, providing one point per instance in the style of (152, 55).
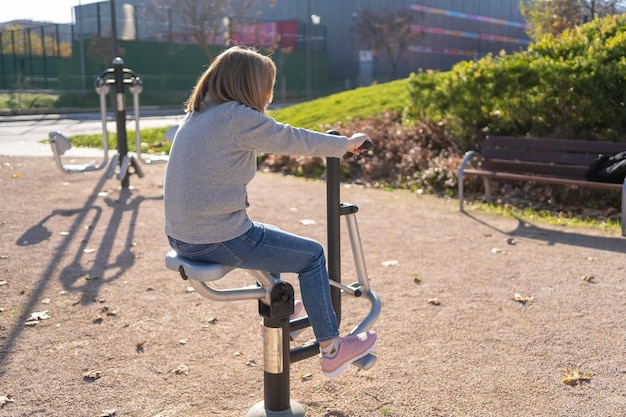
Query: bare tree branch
(384, 33)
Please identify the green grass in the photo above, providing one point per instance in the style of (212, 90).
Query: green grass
(548, 217)
(352, 104)
(152, 140)
(21, 101)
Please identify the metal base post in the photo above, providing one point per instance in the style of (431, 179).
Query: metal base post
(294, 410)
(276, 355)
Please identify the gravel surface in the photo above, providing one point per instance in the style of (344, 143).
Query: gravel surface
(482, 315)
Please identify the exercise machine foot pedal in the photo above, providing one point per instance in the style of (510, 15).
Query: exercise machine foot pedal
(365, 362)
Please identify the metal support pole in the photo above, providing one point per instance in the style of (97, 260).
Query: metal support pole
(307, 35)
(113, 28)
(276, 361)
(333, 215)
(120, 118)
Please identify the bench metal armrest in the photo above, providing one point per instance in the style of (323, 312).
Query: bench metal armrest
(469, 155)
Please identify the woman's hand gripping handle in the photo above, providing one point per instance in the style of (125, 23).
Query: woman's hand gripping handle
(359, 143)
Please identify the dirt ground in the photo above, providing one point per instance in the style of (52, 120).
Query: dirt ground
(93, 324)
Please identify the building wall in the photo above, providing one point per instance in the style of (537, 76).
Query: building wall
(338, 17)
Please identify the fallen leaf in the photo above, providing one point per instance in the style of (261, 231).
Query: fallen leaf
(92, 375)
(497, 250)
(251, 363)
(181, 370)
(521, 299)
(391, 262)
(575, 376)
(190, 289)
(38, 315)
(434, 301)
(589, 278)
(5, 399)
(308, 222)
(183, 341)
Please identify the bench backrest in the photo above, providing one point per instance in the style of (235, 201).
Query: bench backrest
(558, 157)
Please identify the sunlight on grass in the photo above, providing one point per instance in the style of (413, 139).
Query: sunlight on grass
(545, 216)
(21, 101)
(353, 104)
(152, 140)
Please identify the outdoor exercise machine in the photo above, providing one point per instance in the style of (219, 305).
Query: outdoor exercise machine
(125, 165)
(276, 301)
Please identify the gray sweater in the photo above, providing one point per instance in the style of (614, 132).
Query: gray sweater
(212, 160)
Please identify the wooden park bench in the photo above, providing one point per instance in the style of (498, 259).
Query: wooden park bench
(554, 161)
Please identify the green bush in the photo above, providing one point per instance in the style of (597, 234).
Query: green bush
(573, 86)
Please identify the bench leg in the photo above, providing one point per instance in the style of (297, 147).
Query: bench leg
(488, 182)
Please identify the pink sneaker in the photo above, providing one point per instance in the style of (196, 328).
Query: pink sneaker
(298, 306)
(351, 348)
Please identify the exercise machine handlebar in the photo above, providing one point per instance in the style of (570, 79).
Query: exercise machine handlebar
(61, 144)
(136, 87)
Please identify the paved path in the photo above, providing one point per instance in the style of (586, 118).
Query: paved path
(23, 135)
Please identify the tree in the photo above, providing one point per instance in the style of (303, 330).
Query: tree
(552, 17)
(387, 34)
(100, 51)
(206, 20)
(17, 40)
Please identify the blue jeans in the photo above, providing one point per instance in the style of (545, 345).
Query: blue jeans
(266, 248)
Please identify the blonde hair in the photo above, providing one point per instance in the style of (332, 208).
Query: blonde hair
(238, 74)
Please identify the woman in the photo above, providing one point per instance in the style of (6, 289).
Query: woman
(213, 158)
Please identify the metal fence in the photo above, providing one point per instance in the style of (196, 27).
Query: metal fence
(30, 56)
